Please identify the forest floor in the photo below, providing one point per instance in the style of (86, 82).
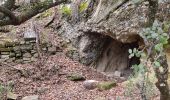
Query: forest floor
(48, 77)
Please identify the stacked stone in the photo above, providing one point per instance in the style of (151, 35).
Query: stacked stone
(5, 51)
(28, 49)
(23, 51)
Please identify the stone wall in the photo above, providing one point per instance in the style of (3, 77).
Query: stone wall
(24, 50)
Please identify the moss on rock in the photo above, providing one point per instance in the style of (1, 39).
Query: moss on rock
(106, 85)
(75, 77)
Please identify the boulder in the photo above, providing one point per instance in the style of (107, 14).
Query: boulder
(33, 97)
(90, 84)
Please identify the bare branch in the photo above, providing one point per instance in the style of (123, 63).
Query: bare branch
(31, 12)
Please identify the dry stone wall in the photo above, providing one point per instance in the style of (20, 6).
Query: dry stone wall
(24, 50)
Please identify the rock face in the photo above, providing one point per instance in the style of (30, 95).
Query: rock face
(103, 39)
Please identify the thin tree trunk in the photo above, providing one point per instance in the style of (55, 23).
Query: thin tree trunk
(162, 77)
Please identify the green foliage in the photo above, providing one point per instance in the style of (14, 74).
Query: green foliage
(155, 37)
(66, 10)
(156, 40)
(75, 77)
(45, 14)
(83, 6)
(8, 88)
(106, 85)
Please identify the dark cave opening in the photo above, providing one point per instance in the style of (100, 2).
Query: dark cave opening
(115, 58)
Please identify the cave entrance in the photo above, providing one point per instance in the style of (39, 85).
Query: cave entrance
(115, 58)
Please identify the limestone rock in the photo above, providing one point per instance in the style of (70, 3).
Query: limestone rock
(11, 96)
(4, 53)
(26, 59)
(117, 73)
(29, 35)
(90, 84)
(33, 97)
(27, 55)
(52, 50)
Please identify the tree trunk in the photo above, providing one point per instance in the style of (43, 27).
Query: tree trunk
(162, 77)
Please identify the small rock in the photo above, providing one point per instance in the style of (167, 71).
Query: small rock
(10, 60)
(27, 42)
(18, 54)
(29, 35)
(4, 53)
(26, 59)
(5, 56)
(117, 73)
(12, 54)
(36, 55)
(100, 98)
(90, 84)
(18, 61)
(22, 42)
(33, 59)
(44, 49)
(41, 90)
(33, 51)
(33, 97)
(76, 77)
(27, 55)
(26, 47)
(16, 48)
(11, 96)
(106, 85)
(52, 50)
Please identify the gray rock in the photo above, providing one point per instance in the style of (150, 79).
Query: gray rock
(117, 73)
(33, 51)
(26, 47)
(26, 59)
(29, 35)
(5, 56)
(33, 97)
(33, 59)
(5, 53)
(10, 60)
(52, 50)
(44, 49)
(16, 48)
(12, 54)
(18, 54)
(19, 61)
(22, 42)
(27, 42)
(36, 55)
(27, 55)
(11, 96)
(90, 84)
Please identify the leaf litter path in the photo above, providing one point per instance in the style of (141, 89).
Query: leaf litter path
(50, 83)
